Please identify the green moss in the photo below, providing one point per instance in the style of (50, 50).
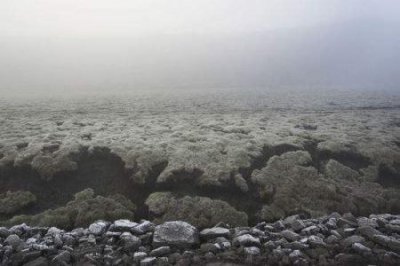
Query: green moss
(12, 202)
(80, 212)
(199, 211)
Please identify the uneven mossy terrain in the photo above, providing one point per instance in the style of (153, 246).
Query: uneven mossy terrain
(217, 160)
(81, 211)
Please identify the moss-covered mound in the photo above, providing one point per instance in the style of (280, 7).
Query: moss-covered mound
(290, 184)
(12, 202)
(81, 211)
(199, 211)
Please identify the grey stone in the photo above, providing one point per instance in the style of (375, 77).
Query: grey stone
(332, 239)
(311, 230)
(122, 225)
(246, 240)
(381, 240)
(290, 235)
(98, 228)
(394, 244)
(210, 233)
(62, 258)
(391, 258)
(296, 245)
(58, 241)
(143, 228)
(368, 231)
(395, 222)
(4, 232)
(393, 228)
(54, 231)
(252, 251)
(161, 251)
(364, 221)
(361, 249)
(295, 254)
(138, 256)
(210, 247)
(316, 241)
(331, 223)
(349, 241)
(349, 231)
(176, 233)
(163, 261)
(130, 242)
(14, 241)
(148, 261)
(342, 222)
(278, 225)
(297, 225)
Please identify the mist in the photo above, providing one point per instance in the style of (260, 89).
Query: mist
(98, 46)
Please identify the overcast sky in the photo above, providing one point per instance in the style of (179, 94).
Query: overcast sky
(61, 45)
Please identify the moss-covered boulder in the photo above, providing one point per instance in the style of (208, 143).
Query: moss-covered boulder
(81, 211)
(12, 202)
(336, 170)
(199, 211)
(289, 184)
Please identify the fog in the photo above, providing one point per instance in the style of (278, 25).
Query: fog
(49, 46)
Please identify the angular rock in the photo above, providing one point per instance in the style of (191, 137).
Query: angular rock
(62, 259)
(368, 232)
(143, 228)
(246, 240)
(122, 225)
(98, 228)
(161, 251)
(361, 249)
(177, 233)
(4, 232)
(290, 235)
(316, 241)
(297, 225)
(148, 261)
(210, 233)
(311, 230)
(254, 251)
(130, 242)
(349, 241)
(138, 256)
(14, 241)
(331, 223)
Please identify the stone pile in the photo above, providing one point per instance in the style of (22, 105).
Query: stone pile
(331, 240)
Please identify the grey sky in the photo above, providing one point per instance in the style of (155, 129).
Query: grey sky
(132, 17)
(101, 44)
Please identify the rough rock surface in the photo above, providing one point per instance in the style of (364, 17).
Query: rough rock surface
(349, 241)
(177, 233)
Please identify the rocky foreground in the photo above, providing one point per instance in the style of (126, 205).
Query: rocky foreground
(329, 240)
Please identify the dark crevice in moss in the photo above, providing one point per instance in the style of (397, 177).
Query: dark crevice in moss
(261, 161)
(107, 175)
(389, 177)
